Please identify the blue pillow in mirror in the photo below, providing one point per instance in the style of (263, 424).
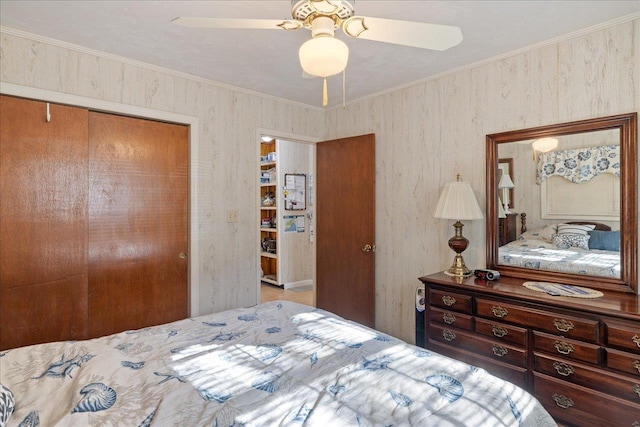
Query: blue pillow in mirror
(605, 240)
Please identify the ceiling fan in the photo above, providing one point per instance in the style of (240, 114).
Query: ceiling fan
(324, 55)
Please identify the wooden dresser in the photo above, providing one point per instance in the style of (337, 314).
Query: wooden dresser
(507, 228)
(579, 357)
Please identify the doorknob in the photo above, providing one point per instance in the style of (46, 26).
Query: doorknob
(182, 255)
(366, 248)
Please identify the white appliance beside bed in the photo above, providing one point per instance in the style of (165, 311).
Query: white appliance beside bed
(278, 363)
(579, 248)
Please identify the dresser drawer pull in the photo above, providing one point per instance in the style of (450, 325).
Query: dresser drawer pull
(562, 325)
(636, 339)
(448, 335)
(636, 389)
(562, 401)
(448, 300)
(636, 364)
(499, 311)
(563, 369)
(448, 318)
(499, 350)
(565, 347)
(499, 331)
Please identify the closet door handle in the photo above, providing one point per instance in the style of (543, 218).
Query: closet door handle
(367, 248)
(182, 255)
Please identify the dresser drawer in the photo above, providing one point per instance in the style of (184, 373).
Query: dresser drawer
(484, 347)
(513, 374)
(567, 326)
(451, 318)
(566, 348)
(575, 405)
(451, 301)
(623, 335)
(587, 376)
(625, 362)
(502, 332)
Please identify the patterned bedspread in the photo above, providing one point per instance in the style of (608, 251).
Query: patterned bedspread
(279, 363)
(540, 255)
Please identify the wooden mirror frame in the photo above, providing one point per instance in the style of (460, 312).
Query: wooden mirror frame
(628, 127)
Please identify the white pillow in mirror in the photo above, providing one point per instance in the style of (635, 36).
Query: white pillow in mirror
(545, 233)
(575, 228)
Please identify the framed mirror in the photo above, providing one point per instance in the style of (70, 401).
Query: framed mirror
(577, 184)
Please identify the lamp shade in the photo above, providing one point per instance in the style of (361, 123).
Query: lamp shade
(323, 56)
(458, 202)
(505, 181)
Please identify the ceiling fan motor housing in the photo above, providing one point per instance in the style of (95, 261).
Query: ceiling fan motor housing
(307, 10)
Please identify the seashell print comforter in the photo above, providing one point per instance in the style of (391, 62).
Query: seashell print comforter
(278, 363)
(541, 255)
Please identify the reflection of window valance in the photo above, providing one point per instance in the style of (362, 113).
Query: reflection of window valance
(579, 165)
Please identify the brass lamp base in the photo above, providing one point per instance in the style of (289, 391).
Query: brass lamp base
(458, 269)
(458, 244)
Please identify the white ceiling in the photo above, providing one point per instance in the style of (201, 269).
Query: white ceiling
(266, 60)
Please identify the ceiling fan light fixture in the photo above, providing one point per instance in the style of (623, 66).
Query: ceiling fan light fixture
(323, 56)
(544, 145)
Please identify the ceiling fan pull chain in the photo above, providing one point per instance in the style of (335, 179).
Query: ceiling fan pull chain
(325, 98)
(344, 85)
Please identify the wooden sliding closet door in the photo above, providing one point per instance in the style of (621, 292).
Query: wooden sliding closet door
(43, 222)
(138, 198)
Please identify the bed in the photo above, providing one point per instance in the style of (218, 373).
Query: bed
(597, 254)
(278, 363)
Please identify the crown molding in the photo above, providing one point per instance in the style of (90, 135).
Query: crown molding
(526, 49)
(147, 66)
(179, 74)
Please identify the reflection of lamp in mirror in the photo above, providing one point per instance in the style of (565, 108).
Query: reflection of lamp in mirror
(458, 202)
(501, 213)
(543, 145)
(505, 184)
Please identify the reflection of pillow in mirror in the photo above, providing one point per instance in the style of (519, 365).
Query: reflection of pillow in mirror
(605, 240)
(566, 241)
(545, 233)
(548, 232)
(531, 235)
(575, 228)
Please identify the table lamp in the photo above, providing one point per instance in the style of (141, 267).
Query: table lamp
(458, 202)
(505, 185)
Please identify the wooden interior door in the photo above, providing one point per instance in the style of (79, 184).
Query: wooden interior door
(138, 207)
(43, 222)
(345, 222)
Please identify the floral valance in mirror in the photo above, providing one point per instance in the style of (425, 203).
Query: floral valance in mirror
(579, 165)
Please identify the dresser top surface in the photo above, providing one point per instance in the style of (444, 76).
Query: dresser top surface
(618, 304)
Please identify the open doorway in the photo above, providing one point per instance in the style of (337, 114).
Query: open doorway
(286, 202)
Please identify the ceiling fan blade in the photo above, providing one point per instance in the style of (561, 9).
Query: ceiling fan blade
(408, 33)
(261, 24)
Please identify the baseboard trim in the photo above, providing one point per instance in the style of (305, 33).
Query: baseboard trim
(298, 284)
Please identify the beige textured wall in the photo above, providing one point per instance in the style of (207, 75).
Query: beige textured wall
(427, 133)
(225, 171)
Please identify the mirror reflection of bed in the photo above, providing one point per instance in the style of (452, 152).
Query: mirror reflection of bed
(576, 181)
(583, 248)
